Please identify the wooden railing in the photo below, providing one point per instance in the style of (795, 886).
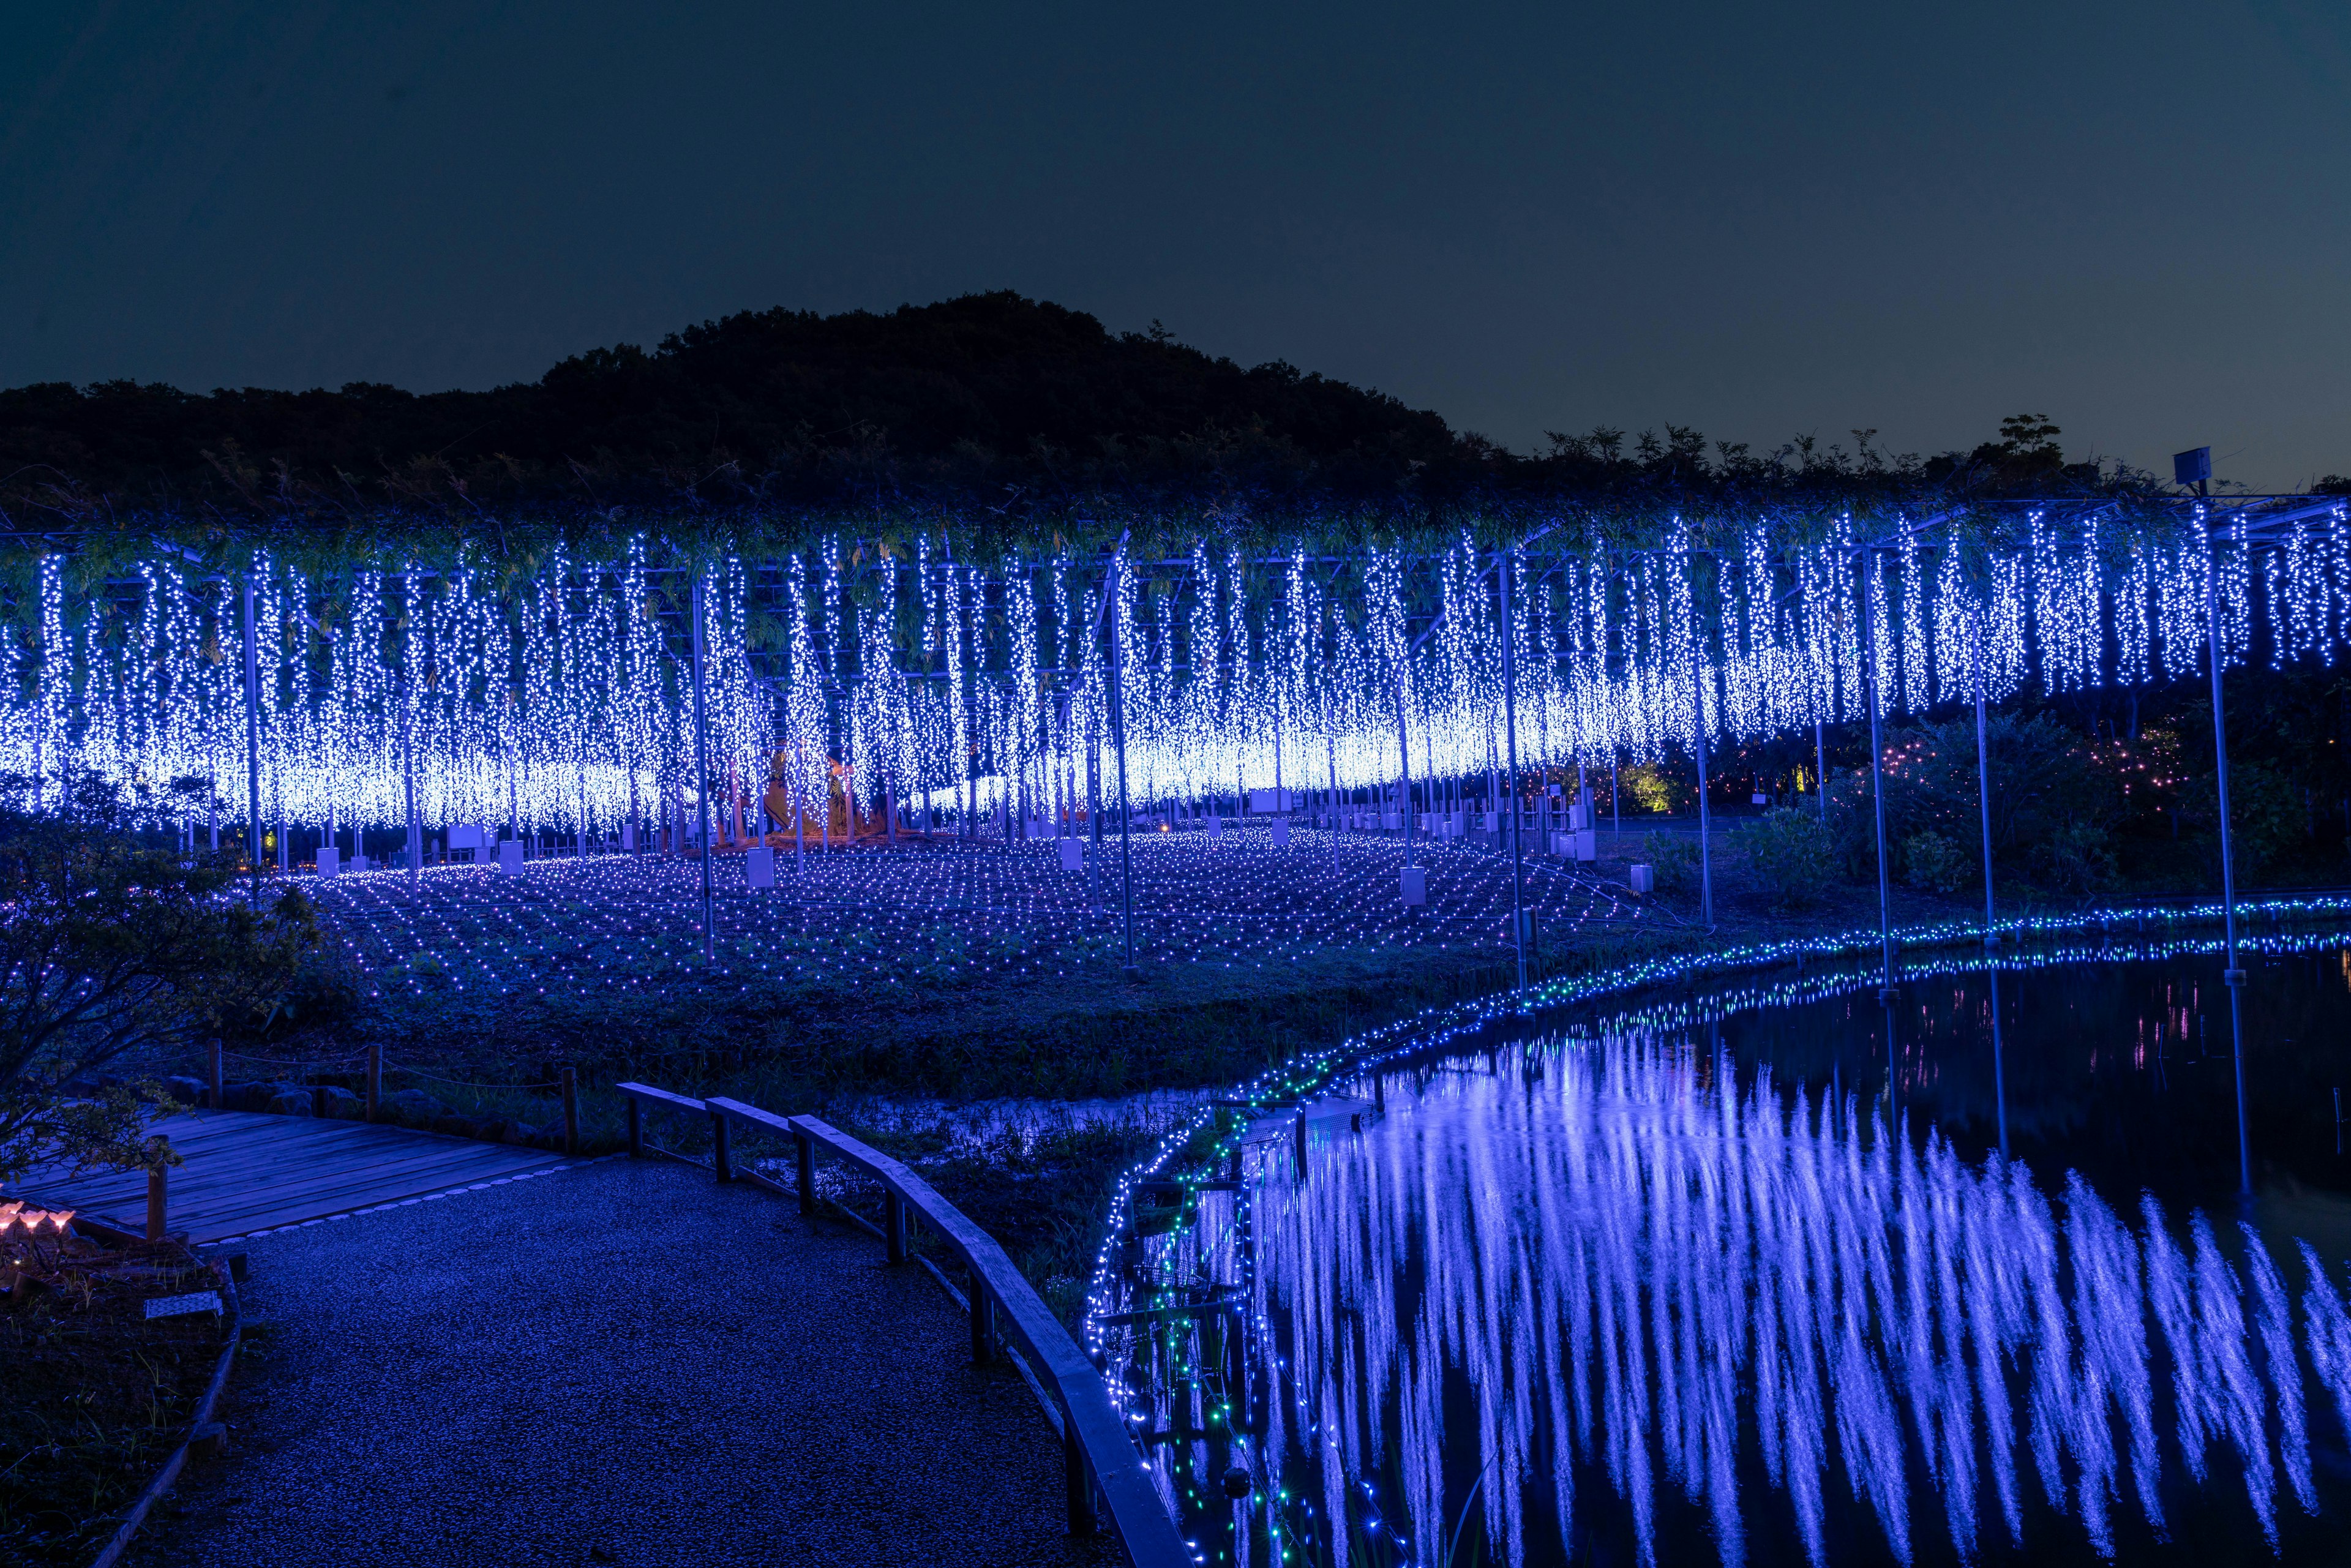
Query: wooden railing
(1098, 1460)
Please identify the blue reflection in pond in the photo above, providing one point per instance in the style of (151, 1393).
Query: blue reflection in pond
(1665, 1286)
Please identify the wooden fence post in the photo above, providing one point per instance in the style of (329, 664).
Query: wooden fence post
(212, 1053)
(158, 1193)
(571, 1111)
(982, 1323)
(721, 1156)
(1076, 1481)
(375, 1079)
(893, 1225)
(807, 1152)
(636, 1129)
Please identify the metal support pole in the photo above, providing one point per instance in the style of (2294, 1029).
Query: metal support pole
(1820, 768)
(1404, 779)
(1983, 804)
(1118, 741)
(408, 784)
(253, 742)
(1094, 807)
(1697, 749)
(1869, 679)
(1999, 1068)
(1511, 730)
(2233, 976)
(158, 1190)
(702, 801)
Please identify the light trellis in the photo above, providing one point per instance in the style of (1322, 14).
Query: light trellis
(558, 700)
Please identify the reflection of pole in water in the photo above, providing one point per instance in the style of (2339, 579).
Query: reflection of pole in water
(1999, 1073)
(2233, 976)
(1893, 1072)
(1715, 1262)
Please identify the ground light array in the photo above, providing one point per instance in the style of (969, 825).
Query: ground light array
(938, 913)
(1153, 1283)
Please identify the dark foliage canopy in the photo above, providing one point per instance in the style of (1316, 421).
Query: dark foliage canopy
(991, 405)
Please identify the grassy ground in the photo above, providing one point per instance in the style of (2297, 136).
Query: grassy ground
(96, 1396)
(970, 1014)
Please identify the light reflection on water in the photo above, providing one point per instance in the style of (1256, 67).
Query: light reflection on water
(1638, 1295)
(1635, 1263)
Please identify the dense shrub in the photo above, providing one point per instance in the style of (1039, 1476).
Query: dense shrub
(1792, 853)
(2076, 858)
(1649, 787)
(1936, 862)
(2053, 809)
(1673, 858)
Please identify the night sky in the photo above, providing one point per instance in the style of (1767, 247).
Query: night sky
(1758, 220)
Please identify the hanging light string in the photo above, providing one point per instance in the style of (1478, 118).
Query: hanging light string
(555, 701)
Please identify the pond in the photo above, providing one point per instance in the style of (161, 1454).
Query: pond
(1785, 1275)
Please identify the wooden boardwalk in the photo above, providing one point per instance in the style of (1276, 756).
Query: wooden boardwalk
(249, 1171)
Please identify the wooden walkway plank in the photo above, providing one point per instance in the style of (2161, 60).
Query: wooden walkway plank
(248, 1171)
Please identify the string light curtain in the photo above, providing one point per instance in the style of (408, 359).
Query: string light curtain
(558, 700)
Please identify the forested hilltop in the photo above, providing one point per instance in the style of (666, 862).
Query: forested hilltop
(987, 404)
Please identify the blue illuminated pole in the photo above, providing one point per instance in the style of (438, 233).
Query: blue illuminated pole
(1698, 750)
(252, 742)
(1118, 743)
(1992, 932)
(2197, 467)
(702, 786)
(1869, 681)
(1511, 728)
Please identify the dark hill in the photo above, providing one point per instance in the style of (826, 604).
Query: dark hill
(964, 399)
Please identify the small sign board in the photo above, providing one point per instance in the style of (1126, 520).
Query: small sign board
(1073, 853)
(180, 1306)
(759, 867)
(510, 857)
(330, 860)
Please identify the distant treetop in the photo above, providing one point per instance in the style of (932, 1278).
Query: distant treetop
(989, 405)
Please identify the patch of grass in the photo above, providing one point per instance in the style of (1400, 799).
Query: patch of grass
(93, 1396)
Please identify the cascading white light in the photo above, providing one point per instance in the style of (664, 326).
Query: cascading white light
(560, 701)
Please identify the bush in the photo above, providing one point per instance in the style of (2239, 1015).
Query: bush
(2267, 821)
(1673, 858)
(1651, 788)
(1936, 863)
(2053, 807)
(114, 945)
(2076, 858)
(1792, 855)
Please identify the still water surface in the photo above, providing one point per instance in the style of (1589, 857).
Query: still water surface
(1712, 1281)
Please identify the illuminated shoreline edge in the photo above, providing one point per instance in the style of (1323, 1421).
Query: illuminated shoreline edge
(1427, 1033)
(1431, 1028)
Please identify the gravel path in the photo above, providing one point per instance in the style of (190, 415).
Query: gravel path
(624, 1362)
